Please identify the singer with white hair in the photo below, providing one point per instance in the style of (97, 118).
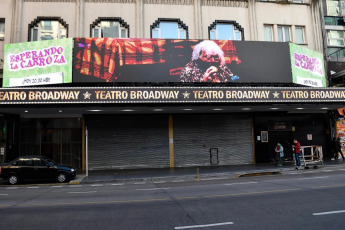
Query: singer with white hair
(207, 65)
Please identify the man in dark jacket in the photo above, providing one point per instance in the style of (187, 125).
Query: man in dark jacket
(297, 151)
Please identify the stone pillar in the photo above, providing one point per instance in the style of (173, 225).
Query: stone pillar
(252, 20)
(16, 21)
(80, 18)
(198, 19)
(139, 19)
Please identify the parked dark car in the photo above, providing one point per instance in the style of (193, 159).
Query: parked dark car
(33, 168)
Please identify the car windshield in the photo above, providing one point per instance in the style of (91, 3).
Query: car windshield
(51, 162)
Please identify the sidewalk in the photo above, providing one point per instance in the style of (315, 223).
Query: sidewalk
(188, 174)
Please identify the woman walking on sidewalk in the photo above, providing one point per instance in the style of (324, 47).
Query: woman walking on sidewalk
(279, 153)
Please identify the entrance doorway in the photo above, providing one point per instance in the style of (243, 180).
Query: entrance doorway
(285, 139)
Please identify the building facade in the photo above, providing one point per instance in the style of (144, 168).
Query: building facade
(161, 134)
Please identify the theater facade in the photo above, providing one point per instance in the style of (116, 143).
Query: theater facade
(159, 103)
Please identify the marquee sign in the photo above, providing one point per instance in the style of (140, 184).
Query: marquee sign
(98, 95)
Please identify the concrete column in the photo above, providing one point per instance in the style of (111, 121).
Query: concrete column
(252, 21)
(80, 18)
(275, 33)
(16, 21)
(198, 19)
(293, 33)
(139, 19)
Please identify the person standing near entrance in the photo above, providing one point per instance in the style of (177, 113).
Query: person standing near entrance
(297, 150)
(280, 154)
(337, 148)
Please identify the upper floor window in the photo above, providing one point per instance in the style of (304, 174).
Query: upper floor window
(284, 34)
(335, 8)
(2, 29)
(299, 34)
(225, 30)
(47, 29)
(268, 33)
(169, 28)
(335, 37)
(109, 28)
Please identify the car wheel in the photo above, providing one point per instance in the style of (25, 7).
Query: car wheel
(62, 177)
(13, 179)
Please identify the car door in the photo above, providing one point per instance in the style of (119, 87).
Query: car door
(43, 170)
(24, 169)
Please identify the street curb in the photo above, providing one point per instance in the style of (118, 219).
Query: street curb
(259, 174)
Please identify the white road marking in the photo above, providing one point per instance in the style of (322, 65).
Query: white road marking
(253, 182)
(178, 181)
(118, 184)
(149, 189)
(312, 178)
(33, 187)
(97, 185)
(3, 194)
(327, 170)
(76, 186)
(12, 188)
(204, 226)
(328, 213)
(218, 178)
(140, 183)
(57, 186)
(159, 182)
(84, 192)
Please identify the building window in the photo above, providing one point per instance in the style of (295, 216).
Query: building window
(169, 28)
(2, 29)
(284, 34)
(225, 30)
(268, 33)
(335, 37)
(299, 34)
(335, 52)
(45, 28)
(109, 28)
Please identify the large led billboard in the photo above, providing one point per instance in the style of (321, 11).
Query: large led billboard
(160, 61)
(38, 63)
(169, 60)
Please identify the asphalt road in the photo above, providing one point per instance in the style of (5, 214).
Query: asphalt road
(308, 201)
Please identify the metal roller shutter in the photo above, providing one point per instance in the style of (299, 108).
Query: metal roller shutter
(128, 141)
(195, 134)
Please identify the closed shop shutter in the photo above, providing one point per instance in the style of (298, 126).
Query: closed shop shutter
(195, 134)
(128, 141)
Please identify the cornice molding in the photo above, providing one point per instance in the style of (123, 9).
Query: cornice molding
(169, 2)
(50, 0)
(110, 1)
(225, 3)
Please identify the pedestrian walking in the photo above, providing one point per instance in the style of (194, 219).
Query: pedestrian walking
(337, 148)
(297, 151)
(279, 153)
